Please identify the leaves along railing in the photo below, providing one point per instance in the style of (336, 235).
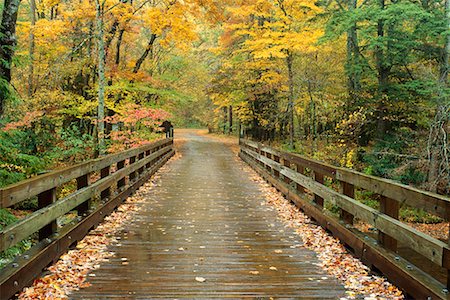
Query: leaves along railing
(116, 176)
(301, 178)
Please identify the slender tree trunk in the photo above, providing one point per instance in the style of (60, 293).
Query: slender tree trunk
(8, 43)
(118, 46)
(148, 50)
(225, 115)
(353, 60)
(383, 77)
(31, 48)
(101, 77)
(289, 61)
(313, 125)
(110, 36)
(230, 120)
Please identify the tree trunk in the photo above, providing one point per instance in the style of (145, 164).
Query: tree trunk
(383, 77)
(313, 124)
(148, 50)
(101, 78)
(31, 48)
(110, 36)
(225, 115)
(353, 61)
(8, 43)
(118, 45)
(230, 120)
(289, 60)
(438, 141)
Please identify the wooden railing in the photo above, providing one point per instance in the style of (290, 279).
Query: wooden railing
(302, 181)
(107, 181)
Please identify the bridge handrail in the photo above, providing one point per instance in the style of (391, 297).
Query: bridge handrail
(300, 178)
(120, 175)
(404, 194)
(26, 189)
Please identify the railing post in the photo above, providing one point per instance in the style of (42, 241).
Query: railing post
(45, 199)
(82, 182)
(132, 175)
(149, 164)
(276, 159)
(319, 178)
(348, 190)
(141, 169)
(121, 182)
(107, 192)
(389, 207)
(287, 164)
(300, 169)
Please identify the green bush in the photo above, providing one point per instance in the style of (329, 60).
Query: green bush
(7, 218)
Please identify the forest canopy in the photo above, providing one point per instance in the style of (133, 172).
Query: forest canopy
(357, 83)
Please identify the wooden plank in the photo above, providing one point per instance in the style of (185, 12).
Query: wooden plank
(347, 189)
(82, 182)
(430, 202)
(103, 174)
(318, 177)
(121, 183)
(300, 169)
(391, 208)
(424, 244)
(132, 175)
(26, 189)
(20, 230)
(45, 199)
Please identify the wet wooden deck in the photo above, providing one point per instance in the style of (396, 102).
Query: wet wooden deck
(205, 219)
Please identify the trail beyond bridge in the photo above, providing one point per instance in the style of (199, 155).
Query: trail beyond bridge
(206, 220)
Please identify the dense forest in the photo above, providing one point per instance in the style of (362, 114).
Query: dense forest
(361, 84)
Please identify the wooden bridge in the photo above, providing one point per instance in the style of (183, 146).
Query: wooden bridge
(206, 220)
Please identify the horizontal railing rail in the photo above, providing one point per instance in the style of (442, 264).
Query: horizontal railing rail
(108, 180)
(300, 178)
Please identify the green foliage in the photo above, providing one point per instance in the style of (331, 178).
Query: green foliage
(6, 218)
(389, 158)
(16, 160)
(409, 214)
(74, 146)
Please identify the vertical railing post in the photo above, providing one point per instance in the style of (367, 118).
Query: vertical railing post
(122, 181)
(287, 164)
(149, 164)
(318, 177)
(106, 192)
(141, 169)
(276, 158)
(300, 169)
(132, 175)
(391, 208)
(348, 190)
(82, 182)
(44, 199)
